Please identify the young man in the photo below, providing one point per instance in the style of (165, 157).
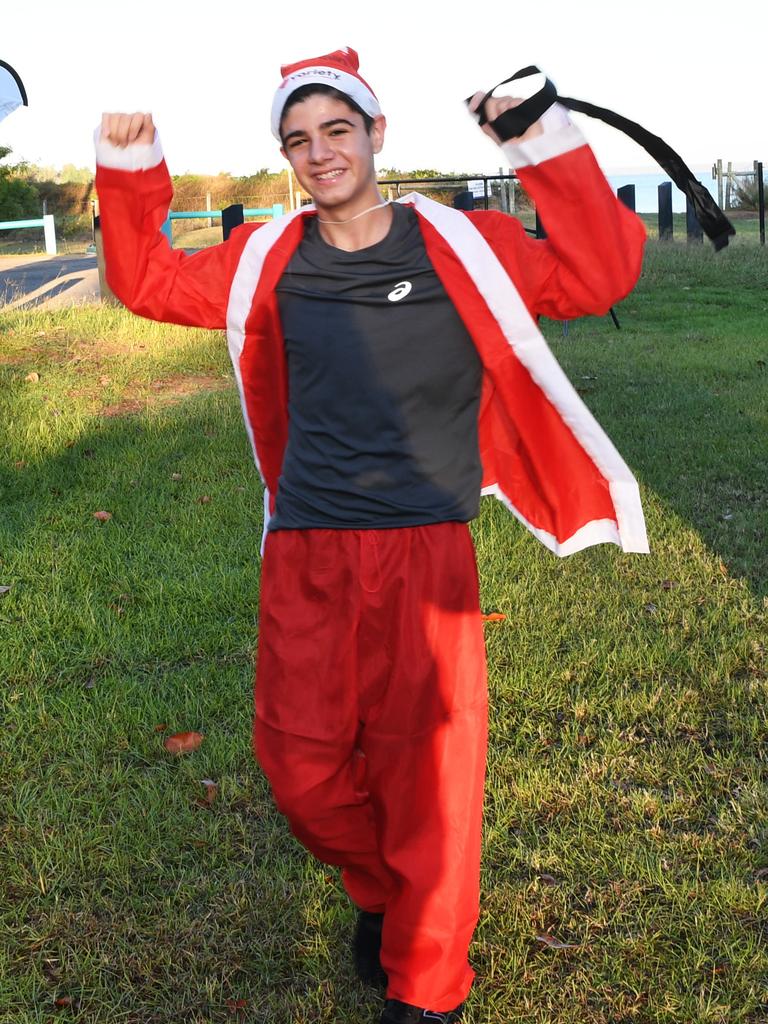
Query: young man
(390, 368)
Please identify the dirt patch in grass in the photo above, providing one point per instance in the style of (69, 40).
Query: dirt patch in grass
(38, 351)
(57, 346)
(167, 391)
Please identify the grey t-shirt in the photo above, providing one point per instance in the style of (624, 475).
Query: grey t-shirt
(384, 388)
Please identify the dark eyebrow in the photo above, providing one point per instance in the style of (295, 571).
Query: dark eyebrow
(323, 126)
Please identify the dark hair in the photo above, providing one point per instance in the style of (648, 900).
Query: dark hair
(319, 89)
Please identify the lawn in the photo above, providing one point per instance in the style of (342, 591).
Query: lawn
(626, 846)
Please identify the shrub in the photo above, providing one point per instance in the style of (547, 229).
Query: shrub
(19, 199)
(745, 195)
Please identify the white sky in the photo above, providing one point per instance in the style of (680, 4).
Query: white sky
(691, 71)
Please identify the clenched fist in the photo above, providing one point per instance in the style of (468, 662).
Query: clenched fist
(495, 107)
(126, 129)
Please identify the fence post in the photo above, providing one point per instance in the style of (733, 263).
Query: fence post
(231, 216)
(208, 206)
(464, 200)
(106, 293)
(167, 229)
(291, 198)
(626, 195)
(540, 230)
(50, 234)
(720, 183)
(666, 228)
(760, 199)
(277, 210)
(693, 228)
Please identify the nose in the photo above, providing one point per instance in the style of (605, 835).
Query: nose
(319, 149)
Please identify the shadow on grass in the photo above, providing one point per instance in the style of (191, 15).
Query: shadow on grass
(115, 634)
(682, 390)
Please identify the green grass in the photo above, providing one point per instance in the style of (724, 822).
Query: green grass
(627, 791)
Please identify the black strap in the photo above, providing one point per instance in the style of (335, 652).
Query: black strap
(515, 122)
(17, 80)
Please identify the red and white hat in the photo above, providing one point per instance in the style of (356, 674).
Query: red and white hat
(338, 69)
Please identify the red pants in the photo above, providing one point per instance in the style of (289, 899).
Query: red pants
(371, 723)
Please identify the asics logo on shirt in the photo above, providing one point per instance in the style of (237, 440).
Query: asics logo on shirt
(400, 291)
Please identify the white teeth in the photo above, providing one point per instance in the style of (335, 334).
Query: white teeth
(328, 175)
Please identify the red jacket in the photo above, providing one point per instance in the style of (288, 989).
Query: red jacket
(543, 453)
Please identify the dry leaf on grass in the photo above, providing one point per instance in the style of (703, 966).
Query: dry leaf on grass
(205, 499)
(103, 517)
(4, 591)
(236, 1006)
(183, 742)
(493, 617)
(32, 378)
(211, 792)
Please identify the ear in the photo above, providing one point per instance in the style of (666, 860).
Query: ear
(378, 130)
(284, 154)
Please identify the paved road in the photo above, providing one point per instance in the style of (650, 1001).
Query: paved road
(48, 283)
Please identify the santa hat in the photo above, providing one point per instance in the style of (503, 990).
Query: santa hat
(337, 69)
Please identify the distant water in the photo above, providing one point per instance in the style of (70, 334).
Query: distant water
(646, 189)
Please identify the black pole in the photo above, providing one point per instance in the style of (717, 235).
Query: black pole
(626, 195)
(760, 199)
(540, 230)
(231, 216)
(666, 228)
(464, 200)
(695, 233)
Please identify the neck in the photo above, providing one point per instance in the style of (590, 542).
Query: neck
(358, 230)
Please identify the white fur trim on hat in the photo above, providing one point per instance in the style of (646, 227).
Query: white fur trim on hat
(350, 85)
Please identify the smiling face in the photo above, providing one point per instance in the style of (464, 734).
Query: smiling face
(331, 153)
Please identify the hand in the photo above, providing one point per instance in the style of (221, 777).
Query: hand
(126, 129)
(496, 106)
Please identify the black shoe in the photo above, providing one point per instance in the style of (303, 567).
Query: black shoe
(396, 1012)
(367, 949)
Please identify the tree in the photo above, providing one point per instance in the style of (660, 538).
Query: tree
(19, 199)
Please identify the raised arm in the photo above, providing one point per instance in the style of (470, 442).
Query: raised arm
(592, 256)
(145, 273)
